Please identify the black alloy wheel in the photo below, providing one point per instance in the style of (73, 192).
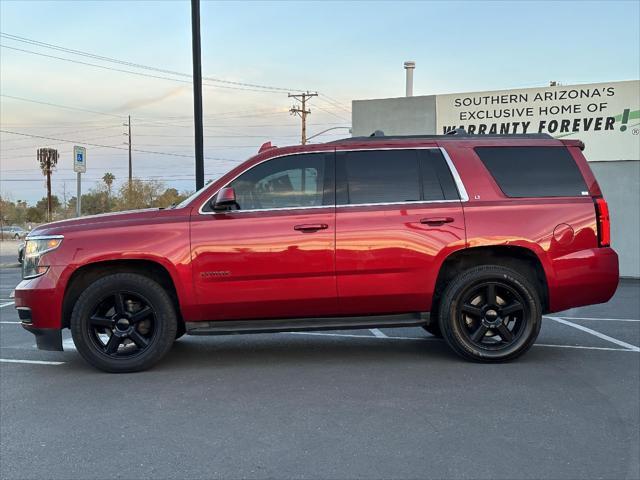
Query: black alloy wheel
(490, 313)
(124, 322)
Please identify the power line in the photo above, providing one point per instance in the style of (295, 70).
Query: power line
(112, 146)
(23, 99)
(18, 38)
(79, 141)
(327, 99)
(331, 113)
(131, 72)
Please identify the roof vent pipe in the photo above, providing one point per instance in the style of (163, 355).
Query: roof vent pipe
(409, 66)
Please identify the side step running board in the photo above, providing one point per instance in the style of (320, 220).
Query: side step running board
(227, 327)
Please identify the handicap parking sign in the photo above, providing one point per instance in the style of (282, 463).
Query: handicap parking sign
(79, 159)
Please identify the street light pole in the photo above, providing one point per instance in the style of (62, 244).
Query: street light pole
(197, 92)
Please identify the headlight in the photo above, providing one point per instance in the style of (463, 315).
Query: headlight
(35, 248)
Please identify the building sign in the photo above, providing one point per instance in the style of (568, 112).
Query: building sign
(79, 159)
(605, 116)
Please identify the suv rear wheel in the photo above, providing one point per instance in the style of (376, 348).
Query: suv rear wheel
(490, 314)
(123, 322)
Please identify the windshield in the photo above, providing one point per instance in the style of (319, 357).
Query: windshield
(192, 197)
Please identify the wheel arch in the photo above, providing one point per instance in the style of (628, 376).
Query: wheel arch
(88, 273)
(519, 258)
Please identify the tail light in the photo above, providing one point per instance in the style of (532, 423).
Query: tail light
(604, 223)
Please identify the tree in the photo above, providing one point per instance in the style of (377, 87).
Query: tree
(48, 159)
(35, 215)
(139, 194)
(42, 205)
(95, 201)
(108, 179)
(169, 197)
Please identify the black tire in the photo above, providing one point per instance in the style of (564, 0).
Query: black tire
(433, 328)
(481, 304)
(108, 319)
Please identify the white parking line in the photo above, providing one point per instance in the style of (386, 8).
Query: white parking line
(583, 347)
(8, 321)
(577, 347)
(377, 333)
(2, 305)
(605, 319)
(596, 334)
(34, 362)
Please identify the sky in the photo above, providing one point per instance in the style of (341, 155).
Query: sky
(343, 50)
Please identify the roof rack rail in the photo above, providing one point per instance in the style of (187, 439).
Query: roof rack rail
(461, 133)
(457, 131)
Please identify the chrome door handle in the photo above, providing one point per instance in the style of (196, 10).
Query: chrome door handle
(311, 227)
(436, 221)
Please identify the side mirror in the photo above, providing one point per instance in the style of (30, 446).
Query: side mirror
(225, 199)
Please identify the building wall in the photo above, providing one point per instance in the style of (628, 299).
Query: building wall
(620, 184)
(394, 116)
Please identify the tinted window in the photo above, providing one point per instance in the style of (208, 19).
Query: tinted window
(382, 176)
(533, 171)
(285, 182)
(437, 181)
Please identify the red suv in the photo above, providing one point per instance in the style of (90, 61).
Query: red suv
(473, 238)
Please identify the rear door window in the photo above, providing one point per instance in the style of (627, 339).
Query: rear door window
(382, 176)
(533, 171)
(393, 176)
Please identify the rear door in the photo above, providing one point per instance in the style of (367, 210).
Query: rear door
(398, 214)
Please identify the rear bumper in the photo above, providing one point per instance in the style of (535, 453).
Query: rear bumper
(584, 278)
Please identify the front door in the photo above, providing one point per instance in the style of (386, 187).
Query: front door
(273, 257)
(398, 215)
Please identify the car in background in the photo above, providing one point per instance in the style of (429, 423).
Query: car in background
(13, 232)
(21, 252)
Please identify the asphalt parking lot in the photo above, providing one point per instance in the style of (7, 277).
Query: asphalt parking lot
(394, 403)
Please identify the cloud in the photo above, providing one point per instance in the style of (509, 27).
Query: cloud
(145, 102)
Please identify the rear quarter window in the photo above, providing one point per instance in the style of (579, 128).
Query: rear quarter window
(533, 171)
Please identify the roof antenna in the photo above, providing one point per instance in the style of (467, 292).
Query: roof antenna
(377, 133)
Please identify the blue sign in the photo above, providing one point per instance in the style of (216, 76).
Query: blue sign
(79, 164)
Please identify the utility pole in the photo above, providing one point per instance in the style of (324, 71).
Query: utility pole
(197, 92)
(48, 159)
(302, 111)
(128, 135)
(130, 163)
(128, 124)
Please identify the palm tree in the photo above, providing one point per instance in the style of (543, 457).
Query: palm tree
(108, 179)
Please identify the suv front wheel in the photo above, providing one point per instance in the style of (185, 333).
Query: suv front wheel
(490, 313)
(123, 322)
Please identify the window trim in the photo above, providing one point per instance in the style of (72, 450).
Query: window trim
(462, 192)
